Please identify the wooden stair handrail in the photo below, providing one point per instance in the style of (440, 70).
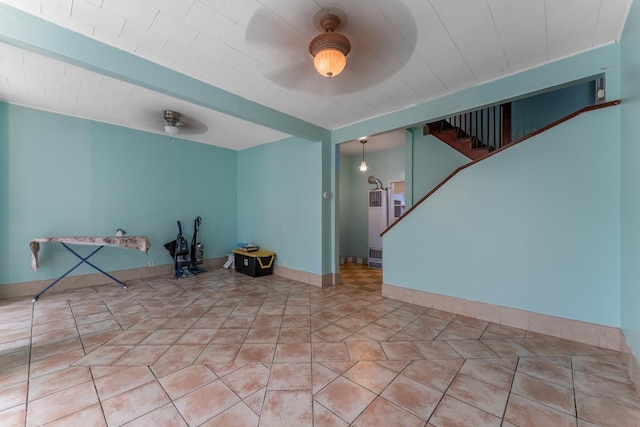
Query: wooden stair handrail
(493, 153)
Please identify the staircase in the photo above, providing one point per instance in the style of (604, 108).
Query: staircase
(476, 133)
(443, 129)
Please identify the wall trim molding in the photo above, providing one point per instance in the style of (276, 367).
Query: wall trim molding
(630, 362)
(601, 336)
(354, 260)
(318, 280)
(587, 333)
(31, 288)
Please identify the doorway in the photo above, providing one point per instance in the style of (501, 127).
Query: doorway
(397, 204)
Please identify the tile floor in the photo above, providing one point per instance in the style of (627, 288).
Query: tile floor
(224, 349)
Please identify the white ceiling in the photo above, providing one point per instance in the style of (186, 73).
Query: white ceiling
(384, 141)
(404, 52)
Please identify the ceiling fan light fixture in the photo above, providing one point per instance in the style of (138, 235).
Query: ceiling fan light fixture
(171, 118)
(171, 130)
(329, 62)
(330, 49)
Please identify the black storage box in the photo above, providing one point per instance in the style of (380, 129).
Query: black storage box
(257, 263)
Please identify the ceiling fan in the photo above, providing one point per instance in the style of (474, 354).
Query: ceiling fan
(375, 39)
(175, 122)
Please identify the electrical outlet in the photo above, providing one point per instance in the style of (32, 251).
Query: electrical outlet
(150, 263)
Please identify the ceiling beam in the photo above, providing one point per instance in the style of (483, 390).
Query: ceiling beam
(37, 35)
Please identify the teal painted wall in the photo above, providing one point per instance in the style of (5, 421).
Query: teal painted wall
(433, 161)
(280, 201)
(328, 208)
(387, 165)
(630, 177)
(5, 226)
(533, 113)
(67, 176)
(536, 227)
(353, 201)
(345, 196)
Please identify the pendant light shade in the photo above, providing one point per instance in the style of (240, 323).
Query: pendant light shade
(171, 130)
(363, 165)
(329, 62)
(329, 49)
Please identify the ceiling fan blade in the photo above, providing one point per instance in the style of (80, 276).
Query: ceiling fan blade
(296, 77)
(391, 41)
(269, 30)
(191, 126)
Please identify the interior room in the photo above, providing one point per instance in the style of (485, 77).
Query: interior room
(442, 194)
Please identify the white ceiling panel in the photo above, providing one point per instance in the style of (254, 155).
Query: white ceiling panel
(525, 53)
(404, 52)
(134, 11)
(176, 8)
(44, 83)
(239, 11)
(207, 20)
(167, 26)
(105, 26)
(386, 141)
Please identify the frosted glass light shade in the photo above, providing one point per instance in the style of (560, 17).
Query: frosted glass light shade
(330, 62)
(363, 167)
(171, 130)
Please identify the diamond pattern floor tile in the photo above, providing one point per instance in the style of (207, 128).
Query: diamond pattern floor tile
(226, 349)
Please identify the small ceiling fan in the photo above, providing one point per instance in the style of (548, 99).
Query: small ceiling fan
(175, 122)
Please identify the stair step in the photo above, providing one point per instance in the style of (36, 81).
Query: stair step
(438, 128)
(447, 130)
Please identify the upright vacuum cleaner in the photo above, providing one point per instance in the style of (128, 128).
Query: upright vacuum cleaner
(179, 250)
(197, 249)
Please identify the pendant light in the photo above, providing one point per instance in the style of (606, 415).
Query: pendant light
(363, 166)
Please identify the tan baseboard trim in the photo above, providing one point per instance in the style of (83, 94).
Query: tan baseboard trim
(354, 260)
(631, 362)
(574, 330)
(336, 279)
(15, 290)
(321, 281)
(588, 333)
